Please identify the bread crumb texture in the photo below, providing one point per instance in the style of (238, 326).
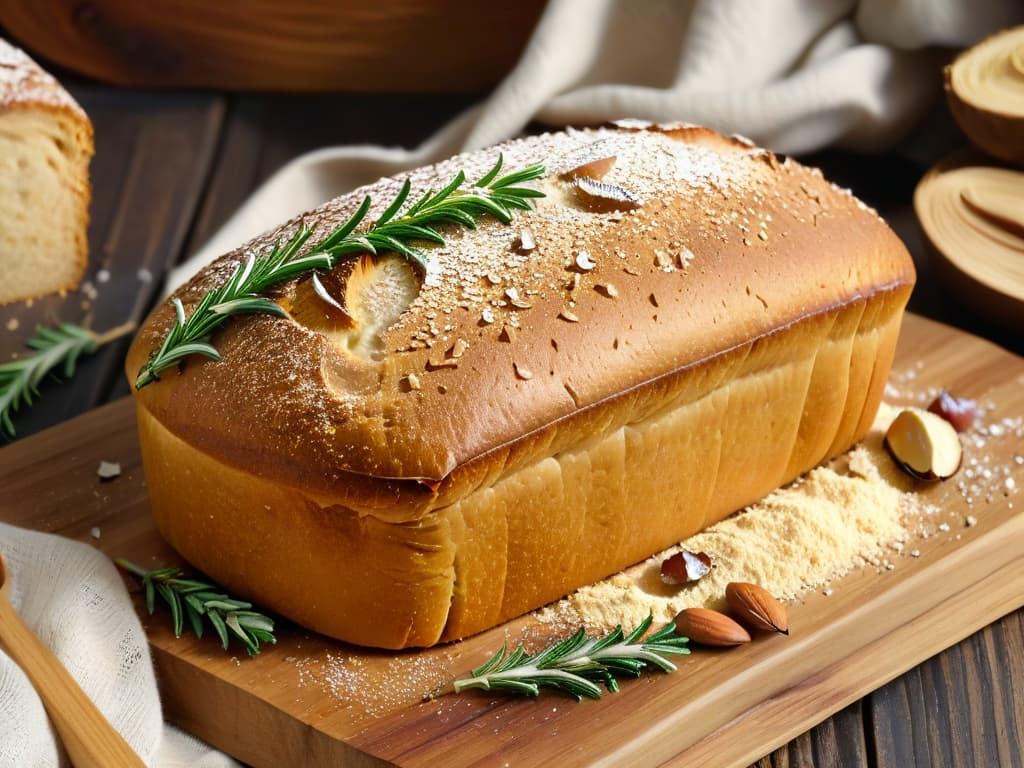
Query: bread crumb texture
(45, 147)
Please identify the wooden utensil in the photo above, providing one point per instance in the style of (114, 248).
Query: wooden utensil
(88, 738)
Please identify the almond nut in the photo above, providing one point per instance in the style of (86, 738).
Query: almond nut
(593, 169)
(756, 607)
(924, 444)
(708, 627)
(604, 197)
(526, 240)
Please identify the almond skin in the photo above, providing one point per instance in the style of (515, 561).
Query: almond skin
(756, 607)
(958, 411)
(685, 567)
(595, 169)
(708, 627)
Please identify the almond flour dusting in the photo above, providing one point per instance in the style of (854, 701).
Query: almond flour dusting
(858, 510)
(846, 514)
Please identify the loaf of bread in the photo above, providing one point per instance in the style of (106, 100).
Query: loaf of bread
(45, 148)
(548, 402)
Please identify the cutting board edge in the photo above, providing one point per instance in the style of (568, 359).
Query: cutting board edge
(662, 742)
(882, 674)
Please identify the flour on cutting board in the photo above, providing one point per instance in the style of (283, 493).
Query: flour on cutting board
(858, 510)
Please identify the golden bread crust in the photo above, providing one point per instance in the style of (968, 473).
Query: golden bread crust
(502, 549)
(636, 376)
(771, 242)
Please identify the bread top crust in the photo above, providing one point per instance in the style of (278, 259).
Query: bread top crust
(24, 84)
(725, 244)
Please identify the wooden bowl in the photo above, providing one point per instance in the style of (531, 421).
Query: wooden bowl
(298, 45)
(971, 212)
(985, 92)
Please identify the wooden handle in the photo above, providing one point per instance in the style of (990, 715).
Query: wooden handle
(88, 738)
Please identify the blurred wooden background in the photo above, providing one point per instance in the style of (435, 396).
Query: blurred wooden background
(296, 45)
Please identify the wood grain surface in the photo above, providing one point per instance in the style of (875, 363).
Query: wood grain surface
(325, 703)
(157, 152)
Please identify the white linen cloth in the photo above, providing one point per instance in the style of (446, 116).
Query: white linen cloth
(794, 75)
(72, 597)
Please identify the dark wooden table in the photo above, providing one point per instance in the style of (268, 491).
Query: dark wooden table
(171, 167)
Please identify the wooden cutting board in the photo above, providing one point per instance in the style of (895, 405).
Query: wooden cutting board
(312, 701)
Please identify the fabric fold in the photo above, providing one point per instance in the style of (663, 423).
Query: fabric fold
(72, 597)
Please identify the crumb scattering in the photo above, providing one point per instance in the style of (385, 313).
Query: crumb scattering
(108, 470)
(841, 516)
(375, 687)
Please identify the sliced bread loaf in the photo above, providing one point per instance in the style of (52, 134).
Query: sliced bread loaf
(45, 147)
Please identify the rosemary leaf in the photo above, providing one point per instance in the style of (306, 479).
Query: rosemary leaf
(171, 598)
(219, 626)
(53, 348)
(195, 599)
(488, 177)
(248, 304)
(194, 609)
(578, 665)
(150, 597)
(394, 232)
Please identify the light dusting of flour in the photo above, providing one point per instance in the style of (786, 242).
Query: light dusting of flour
(23, 81)
(376, 684)
(857, 511)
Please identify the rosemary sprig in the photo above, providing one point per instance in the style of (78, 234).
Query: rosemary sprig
(188, 598)
(577, 664)
(455, 204)
(59, 346)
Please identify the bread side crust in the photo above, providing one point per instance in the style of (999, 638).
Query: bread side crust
(728, 432)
